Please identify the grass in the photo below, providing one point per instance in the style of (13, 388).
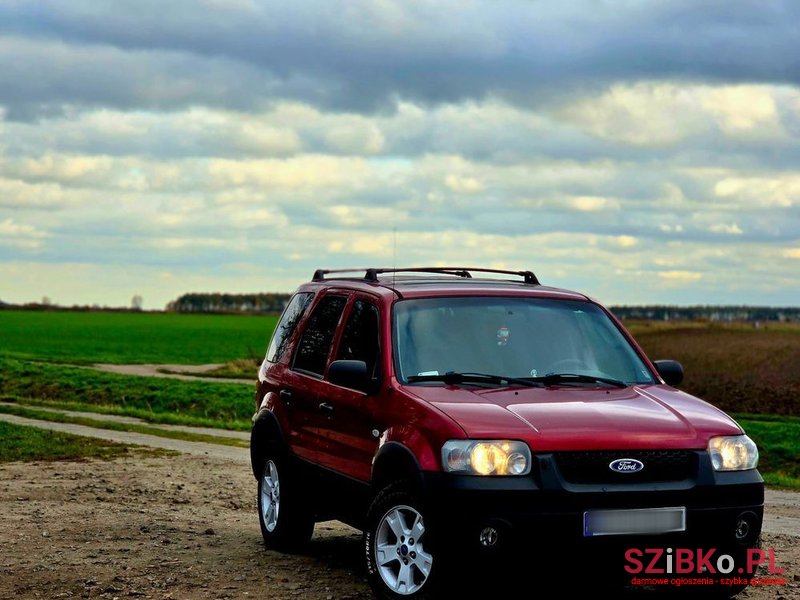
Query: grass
(54, 417)
(90, 337)
(744, 370)
(158, 400)
(22, 443)
(778, 441)
(241, 368)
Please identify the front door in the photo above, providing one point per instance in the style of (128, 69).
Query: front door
(349, 424)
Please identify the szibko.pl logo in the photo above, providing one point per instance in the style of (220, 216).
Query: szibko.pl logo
(696, 560)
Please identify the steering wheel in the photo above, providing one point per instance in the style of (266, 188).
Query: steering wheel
(568, 365)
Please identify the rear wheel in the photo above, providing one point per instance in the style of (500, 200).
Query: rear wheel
(284, 514)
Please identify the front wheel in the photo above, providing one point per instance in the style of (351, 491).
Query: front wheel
(399, 549)
(286, 521)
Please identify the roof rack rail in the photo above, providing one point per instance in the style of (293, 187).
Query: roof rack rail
(371, 274)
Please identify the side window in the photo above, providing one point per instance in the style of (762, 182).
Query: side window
(315, 345)
(291, 316)
(360, 336)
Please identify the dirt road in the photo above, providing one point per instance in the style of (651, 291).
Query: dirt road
(186, 527)
(182, 372)
(156, 528)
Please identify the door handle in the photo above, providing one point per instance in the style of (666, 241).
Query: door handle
(326, 408)
(286, 396)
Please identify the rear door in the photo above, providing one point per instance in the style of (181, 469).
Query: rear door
(304, 381)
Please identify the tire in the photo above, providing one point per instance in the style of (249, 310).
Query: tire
(399, 548)
(286, 520)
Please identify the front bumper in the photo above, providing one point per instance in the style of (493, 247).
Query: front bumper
(543, 511)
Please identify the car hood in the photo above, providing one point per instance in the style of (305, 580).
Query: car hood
(585, 418)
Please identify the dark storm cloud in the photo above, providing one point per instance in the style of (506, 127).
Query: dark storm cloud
(39, 77)
(362, 56)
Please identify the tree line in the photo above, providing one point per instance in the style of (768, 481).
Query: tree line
(708, 313)
(229, 303)
(275, 302)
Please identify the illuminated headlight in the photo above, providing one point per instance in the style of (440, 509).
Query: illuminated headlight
(733, 453)
(486, 457)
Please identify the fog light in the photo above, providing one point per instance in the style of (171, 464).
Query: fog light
(742, 529)
(745, 530)
(489, 537)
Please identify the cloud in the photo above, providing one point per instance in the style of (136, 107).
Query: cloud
(67, 168)
(367, 55)
(664, 113)
(463, 184)
(642, 115)
(19, 235)
(593, 203)
(245, 143)
(365, 216)
(304, 173)
(352, 138)
(625, 241)
(728, 229)
(782, 189)
(742, 108)
(680, 276)
(16, 194)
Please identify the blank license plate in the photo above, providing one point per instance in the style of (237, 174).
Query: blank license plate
(634, 521)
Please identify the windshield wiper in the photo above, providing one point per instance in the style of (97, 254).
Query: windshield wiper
(454, 378)
(554, 378)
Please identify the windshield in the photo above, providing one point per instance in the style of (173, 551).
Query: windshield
(511, 337)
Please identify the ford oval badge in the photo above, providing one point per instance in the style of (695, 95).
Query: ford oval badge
(626, 465)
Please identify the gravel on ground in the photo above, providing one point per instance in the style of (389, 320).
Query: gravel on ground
(186, 527)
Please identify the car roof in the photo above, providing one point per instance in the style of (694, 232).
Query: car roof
(425, 282)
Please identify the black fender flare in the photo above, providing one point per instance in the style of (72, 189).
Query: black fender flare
(395, 462)
(266, 435)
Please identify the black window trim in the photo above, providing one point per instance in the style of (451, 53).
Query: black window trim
(374, 301)
(320, 297)
(292, 336)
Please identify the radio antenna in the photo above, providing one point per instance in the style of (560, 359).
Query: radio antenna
(394, 255)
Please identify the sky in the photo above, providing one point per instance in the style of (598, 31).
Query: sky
(637, 151)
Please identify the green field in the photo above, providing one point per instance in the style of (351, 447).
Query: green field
(751, 373)
(109, 337)
(202, 403)
(778, 441)
(31, 342)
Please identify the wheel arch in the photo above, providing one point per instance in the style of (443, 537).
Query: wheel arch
(395, 462)
(266, 434)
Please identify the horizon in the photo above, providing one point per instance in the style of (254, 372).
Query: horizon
(49, 305)
(150, 149)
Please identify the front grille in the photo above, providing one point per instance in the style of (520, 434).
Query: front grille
(659, 465)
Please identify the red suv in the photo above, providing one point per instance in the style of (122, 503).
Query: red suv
(451, 417)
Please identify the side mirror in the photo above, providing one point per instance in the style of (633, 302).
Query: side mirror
(671, 371)
(350, 374)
